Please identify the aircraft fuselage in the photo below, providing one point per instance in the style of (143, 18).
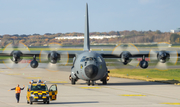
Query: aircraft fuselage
(89, 66)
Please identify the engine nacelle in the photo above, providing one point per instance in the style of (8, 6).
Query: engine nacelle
(125, 57)
(143, 64)
(34, 64)
(53, 57)
(16, 56)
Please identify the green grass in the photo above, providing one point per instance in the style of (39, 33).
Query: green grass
(149, 73)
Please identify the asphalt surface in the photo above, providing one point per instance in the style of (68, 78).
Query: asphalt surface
(118, 92)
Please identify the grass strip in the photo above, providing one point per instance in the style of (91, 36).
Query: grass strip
(171, 76)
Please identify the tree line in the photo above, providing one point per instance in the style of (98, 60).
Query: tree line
(124, 37)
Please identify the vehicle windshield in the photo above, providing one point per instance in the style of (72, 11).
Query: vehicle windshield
(39, 87)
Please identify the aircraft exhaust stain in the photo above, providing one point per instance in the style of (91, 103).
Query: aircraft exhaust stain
(129, 95)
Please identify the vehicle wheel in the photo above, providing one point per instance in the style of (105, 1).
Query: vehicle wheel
(47, 102)
(31, 102)
(27, 102)
(44, 102)
(73, 82)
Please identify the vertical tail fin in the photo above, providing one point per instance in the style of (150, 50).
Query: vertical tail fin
(86, 33)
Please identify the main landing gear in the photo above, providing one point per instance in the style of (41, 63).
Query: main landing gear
(105, 79)
(73, 81)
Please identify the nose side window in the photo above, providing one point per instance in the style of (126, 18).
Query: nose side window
(99, 59)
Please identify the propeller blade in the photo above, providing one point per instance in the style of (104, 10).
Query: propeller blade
(52, 67)
(9, 63)
(22, 47)
(43, 56)
(64, 58)
(152, 55)
(129, 48)
(134, 62)
(54, 46)
(163, 45)
(118, 50)
(173, 57)
(8, 48)
(161, 66)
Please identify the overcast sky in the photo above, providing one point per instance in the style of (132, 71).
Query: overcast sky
(62, 16)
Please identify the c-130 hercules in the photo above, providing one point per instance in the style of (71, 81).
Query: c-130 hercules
(89, 65)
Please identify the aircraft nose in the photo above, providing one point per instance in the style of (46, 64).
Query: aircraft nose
(91, 71)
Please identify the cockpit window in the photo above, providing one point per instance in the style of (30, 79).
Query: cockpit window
(83, 59)
(88, 59)
(99, 59)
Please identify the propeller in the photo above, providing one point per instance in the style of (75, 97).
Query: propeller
(163, 56)
(125, 55)
(14, 57)
(53, 58)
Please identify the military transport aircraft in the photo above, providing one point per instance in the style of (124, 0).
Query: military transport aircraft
(88, 65)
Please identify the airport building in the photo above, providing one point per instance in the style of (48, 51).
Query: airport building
(91, 37)
(175, 31)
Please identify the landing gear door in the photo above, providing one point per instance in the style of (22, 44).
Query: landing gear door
(53, 92)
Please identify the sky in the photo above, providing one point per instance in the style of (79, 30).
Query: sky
(66, 16)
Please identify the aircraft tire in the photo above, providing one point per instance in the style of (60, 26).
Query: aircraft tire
(88, 83)
(93, 83)
(104, 81)
(73, 81)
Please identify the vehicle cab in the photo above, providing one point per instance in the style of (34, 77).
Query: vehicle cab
(38, 91)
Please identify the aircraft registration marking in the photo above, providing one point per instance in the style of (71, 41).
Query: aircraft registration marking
(171, 103)
(90, 87)
(129, 95)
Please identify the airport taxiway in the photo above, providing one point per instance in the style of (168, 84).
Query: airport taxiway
(118, 92)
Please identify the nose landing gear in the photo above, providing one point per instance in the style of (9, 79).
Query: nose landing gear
(89, 83)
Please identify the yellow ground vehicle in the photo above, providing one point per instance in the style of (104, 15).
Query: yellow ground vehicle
(38, 92)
